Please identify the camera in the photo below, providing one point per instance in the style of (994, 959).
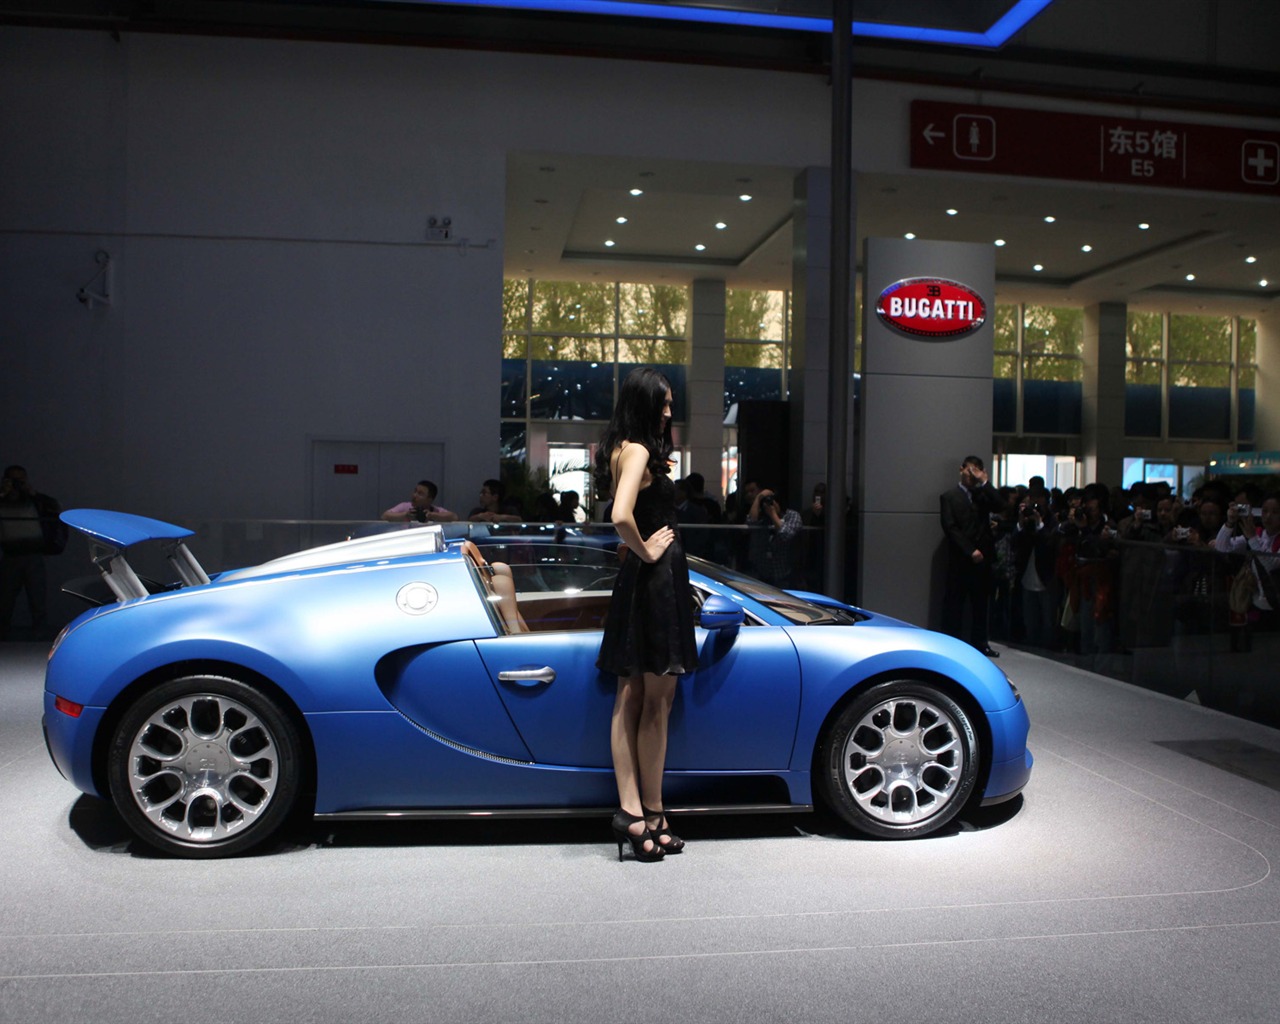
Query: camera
(1181, 532)
(766, 501)
(1142, 513)
(1243, 509)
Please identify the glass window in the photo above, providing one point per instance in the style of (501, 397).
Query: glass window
(653, 309)
(1248, 343)
(1053, 330)
(569, 381)
(1144, 338)
(572, 307)
(1005, 327)
(515, 305)
(1200, 338)
(754, 316)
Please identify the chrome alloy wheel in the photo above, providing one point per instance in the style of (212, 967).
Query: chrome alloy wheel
(203, 767)
(903, 761)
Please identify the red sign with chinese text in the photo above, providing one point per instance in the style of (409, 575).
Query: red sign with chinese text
(1092, 147)
(931, 308)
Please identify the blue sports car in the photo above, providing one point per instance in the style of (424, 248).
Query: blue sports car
(409, 675)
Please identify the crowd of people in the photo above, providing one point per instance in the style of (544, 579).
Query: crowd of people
(1095, 571)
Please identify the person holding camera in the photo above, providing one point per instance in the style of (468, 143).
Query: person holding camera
(420, 508)
(1247, 531)
(966, 514)
(1035, 550)
(773, 529)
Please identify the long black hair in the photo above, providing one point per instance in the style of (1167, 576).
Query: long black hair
(637, 417)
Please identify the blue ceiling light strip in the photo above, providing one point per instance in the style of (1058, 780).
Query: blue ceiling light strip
(663, 12)
(996, 36)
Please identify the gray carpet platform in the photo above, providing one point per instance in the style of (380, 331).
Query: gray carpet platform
(1132, 883)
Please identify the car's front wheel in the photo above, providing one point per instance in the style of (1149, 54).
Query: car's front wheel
(204, 766)
(899, 761)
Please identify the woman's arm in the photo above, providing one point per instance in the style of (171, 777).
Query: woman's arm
(629, 468)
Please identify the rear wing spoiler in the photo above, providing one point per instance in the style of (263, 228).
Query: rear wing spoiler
(111, 534)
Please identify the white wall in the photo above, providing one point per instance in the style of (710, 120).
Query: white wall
(264, 203)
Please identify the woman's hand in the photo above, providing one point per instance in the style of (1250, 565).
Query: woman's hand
(657, 543)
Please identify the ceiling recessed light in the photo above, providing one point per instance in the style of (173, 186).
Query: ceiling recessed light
(999, 242)
(610, 243)
(637, 191)
(952, 212)
(909, 235)
(1143, 226)
(745, 198)
(1251, 259)
(1050, 219)
(1038, 267)
(1191, 277)
(620, 220)
(721, 225)
(1263, 283)
(1086, 248)
(699, 247)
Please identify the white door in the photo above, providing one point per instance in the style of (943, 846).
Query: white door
(357, 480)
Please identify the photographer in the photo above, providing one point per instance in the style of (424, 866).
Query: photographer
(1035, 546)
(773, 530)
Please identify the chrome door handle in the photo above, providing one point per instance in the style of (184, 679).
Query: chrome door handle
(528, 676)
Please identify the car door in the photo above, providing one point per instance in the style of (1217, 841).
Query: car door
(737, 712)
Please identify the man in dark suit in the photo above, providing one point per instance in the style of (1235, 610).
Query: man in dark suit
(966, 523)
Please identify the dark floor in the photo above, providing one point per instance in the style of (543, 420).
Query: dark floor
(1133, 883)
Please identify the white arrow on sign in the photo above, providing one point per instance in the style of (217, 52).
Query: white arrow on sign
(931, 133)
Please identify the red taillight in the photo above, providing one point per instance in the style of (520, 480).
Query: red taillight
(68, 707)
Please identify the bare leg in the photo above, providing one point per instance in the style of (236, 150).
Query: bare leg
(627, 707)
(651, 736)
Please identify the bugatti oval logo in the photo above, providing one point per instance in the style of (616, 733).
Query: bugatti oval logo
(931, 308)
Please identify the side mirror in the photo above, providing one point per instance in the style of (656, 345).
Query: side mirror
(720, 613)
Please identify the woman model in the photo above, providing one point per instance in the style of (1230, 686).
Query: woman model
(648, 635)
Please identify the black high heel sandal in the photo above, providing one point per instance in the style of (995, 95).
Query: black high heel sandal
(622, 822)
(674, 843)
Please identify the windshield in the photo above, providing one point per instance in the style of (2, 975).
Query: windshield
(794, 609)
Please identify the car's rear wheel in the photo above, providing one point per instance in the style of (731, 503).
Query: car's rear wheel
(204, 766)
(899, 761)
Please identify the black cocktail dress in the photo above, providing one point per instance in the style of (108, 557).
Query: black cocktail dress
(649, 627)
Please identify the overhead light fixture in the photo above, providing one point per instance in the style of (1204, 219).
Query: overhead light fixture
(1038, 267)
(1191, 277)
(952, 212)
(721, 225)
(745, 197)
(620, 220)
(637, 191)
(909, 235)
(1050, 219)
(700, 247)
(1143, 226)
(1086, 248)
(609, 243)
(999, 243)
(1251, 259)
(1262, 283)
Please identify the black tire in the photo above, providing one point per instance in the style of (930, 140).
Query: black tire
(900, 761)
(204, 766)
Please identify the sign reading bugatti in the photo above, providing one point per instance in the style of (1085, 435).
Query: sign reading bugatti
(931, 308)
